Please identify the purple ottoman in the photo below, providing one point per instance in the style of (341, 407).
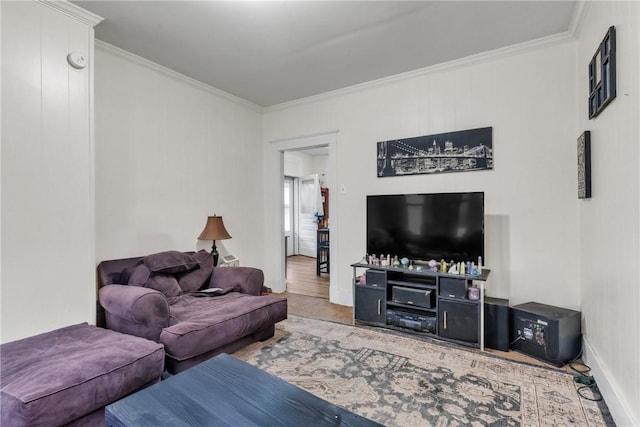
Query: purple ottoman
(69, 375)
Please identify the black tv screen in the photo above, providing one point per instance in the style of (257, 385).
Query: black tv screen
(423, 227)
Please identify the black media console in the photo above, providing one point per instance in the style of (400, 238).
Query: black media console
(420, 301)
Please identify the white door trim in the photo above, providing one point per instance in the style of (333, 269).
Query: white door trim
(276, 183)
(307, 237)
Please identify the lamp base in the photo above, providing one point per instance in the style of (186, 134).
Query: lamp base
(214, 254)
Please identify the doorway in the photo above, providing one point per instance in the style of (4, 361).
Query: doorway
(305, 220)
(277, 245)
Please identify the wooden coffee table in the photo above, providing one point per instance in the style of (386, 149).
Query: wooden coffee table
(227, 391)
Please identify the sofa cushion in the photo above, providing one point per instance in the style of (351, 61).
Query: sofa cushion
(193, 280)
(170, 262)
(109, 272)
(57, 377)
(164, 283)
(200, 324)
(135, 275)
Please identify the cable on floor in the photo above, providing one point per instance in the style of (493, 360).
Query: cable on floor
(583, 377)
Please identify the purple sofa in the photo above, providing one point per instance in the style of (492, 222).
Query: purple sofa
(67, 376)
(160, 297)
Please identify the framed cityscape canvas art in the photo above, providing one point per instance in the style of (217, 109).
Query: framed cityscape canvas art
(461, 151)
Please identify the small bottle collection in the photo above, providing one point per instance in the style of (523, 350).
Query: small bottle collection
(464, 268)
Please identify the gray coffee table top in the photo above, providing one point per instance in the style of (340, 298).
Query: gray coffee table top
(227, 391)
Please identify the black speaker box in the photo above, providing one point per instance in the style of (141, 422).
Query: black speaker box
(410, 296)
(548, 333)
(496, 323)
(453, 288)
(376, 278)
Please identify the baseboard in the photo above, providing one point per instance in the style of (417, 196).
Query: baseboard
(619, 409)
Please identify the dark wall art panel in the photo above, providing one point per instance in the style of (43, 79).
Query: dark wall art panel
(461, 151)
(584, 165)
(602, 74)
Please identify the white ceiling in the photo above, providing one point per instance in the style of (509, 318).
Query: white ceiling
(270, 52)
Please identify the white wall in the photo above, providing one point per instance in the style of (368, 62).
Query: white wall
(610, 220)
(528, 96)
(169, 152)
(320, 167)
(298, 164)
(48, 269)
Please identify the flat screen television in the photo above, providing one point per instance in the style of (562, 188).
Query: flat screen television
(423, 227)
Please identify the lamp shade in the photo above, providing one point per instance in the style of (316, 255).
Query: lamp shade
(214, 229)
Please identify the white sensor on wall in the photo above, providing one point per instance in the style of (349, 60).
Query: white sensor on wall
(77, 60)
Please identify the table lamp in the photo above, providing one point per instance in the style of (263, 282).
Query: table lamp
(214, 230)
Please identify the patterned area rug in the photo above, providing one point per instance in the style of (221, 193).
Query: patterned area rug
(400, 381)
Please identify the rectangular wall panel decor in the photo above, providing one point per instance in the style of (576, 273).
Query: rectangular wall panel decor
(460, 151)
(584, 165)
(602, 74)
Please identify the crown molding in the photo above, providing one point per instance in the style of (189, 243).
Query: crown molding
(131, 57)
(579, 15)
(516, 49)
(73, 11)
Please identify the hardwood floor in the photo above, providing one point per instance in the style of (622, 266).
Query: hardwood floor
(318, 308)
(303, 280)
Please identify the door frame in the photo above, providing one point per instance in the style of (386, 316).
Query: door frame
(276, 183)
(293, 240)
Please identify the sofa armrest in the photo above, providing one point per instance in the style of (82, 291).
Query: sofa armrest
(247, 280)
(135, 310)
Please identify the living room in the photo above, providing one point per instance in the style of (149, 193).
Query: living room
(169, 151)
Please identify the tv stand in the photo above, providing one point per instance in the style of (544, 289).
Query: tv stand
(420, 301)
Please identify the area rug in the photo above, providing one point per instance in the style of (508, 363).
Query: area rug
(402, 381)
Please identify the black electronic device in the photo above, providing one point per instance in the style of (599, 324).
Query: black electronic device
(548, 333)
(417, 322)
(412, 296)
(447, 226)
(453, 288)
(496, 323)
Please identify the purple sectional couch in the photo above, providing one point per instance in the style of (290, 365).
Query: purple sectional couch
(161, 297)
(67, 376)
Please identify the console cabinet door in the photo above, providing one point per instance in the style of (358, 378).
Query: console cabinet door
(370, 305)
(458, 320)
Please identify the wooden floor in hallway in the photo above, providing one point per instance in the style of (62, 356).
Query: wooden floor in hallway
(303, 280)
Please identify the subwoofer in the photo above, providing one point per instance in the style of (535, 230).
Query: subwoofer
(496, 323)
(548, 333)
